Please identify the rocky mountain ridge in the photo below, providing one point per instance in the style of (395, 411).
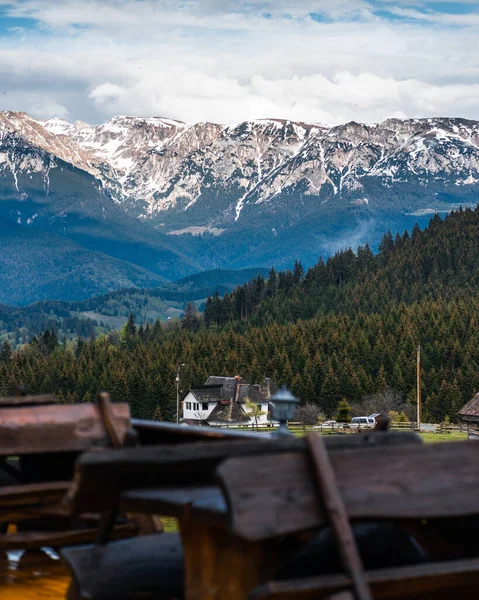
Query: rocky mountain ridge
(171, 198)
(160, 167)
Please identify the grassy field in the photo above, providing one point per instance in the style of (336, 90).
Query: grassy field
(170, 523)
(453, 436)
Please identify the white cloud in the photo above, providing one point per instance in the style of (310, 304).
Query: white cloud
(46, 108)
(230, 60)
(465, 19)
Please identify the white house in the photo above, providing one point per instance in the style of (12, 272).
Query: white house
(229, 400)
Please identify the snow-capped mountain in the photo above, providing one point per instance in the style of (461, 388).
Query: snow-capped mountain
(264, 192)
(162, 168)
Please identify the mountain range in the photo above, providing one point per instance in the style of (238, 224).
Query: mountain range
(86, 209)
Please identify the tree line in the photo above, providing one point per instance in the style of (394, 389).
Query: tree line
(346, 328)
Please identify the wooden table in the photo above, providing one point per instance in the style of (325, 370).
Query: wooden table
(218, 564)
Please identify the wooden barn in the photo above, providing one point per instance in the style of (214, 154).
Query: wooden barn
(470, 412)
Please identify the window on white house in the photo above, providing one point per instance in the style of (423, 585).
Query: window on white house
(188, 406)
(205, 405)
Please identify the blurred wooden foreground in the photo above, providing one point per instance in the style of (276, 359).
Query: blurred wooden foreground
(33, 576)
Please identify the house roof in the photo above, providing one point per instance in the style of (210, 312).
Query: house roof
(228, 384)
(224, 388)
(207, 392)
(471, 409)
(231, 412)
(249, 393)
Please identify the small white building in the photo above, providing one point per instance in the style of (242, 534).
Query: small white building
(228, 400)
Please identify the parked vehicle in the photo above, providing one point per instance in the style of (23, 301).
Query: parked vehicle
(369, 422)
(330, 424)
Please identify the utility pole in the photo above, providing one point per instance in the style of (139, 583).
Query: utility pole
(178, 393)
(418, 377)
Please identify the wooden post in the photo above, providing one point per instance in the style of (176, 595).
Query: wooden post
(418, 377)
(146, 523)
(338, 516)
(230, 567)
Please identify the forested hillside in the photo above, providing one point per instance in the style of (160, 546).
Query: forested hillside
(440, 263)
(110, 311)
(345, 328)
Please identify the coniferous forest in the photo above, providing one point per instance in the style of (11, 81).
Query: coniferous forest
(346, 328)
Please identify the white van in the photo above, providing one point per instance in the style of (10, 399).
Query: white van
(363, 421)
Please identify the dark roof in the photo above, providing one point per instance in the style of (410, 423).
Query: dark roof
(250, 393)
(472, 408)
(224, 388)
(228, 384)
(232, 412)
(203, 393)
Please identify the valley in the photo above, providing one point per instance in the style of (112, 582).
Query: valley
(87, 209)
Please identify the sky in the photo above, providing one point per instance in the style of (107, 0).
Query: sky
(324, 61)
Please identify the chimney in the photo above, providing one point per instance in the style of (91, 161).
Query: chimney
(267, 388)
(238, 379)
(236, 395)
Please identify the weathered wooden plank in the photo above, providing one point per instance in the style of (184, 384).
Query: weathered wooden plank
(33, 494)
(155, 432)
(410, 482)
(338, 517)
(146, 523)
(55, 428)
(207, 502)
(100, 478)
(109, 420)
(50, 511)
(11, 401)
(15, 515)
(30, 540)
(440, 581)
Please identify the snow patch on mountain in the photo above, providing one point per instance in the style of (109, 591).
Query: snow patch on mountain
(157, 166)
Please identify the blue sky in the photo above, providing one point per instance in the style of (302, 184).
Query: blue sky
(228, 60)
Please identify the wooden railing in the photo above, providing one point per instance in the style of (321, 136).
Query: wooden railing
(348, 428)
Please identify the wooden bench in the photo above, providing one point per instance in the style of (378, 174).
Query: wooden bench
(40, 441)
(179, 480)
(300, 494)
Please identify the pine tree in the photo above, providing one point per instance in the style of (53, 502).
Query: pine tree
(157, 414)
(298, 273)
(6, 352)
(330, 394)
(272, 284)
(344, 412)
(129, 333)
(380, 383)
(190, 320)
